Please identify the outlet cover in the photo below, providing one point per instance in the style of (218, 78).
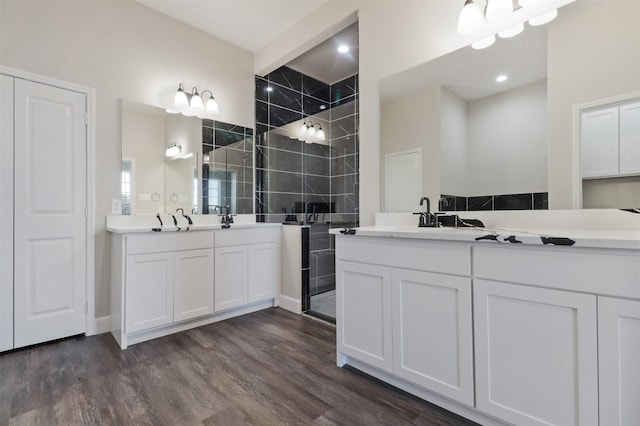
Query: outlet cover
(116, 206)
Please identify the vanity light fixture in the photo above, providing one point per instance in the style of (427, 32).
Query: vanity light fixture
(194, 101)
(309, 133)
(173, 150)
(470, 18)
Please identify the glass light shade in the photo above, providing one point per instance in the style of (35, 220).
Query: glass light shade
(212, 106)
(470, 18)
(497, 9)
(303, 130)
(320, 134)
(180, 97)
(511, 32)
(484, 43)
(311, 132)
(544, 18)
(196, 101)
(173, 150)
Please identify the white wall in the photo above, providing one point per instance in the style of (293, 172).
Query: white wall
(594, 53)
(507, 142)
(125, 51)
(453, 145)
(409, 123)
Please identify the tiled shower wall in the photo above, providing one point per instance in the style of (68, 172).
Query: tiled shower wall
(527, 201)
(314, 184)
(228, 159)
(293, 177)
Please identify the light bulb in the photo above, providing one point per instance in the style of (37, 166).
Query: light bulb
(312, 131)
(212, 106)
(180, 97)
(544, 18)
(320, 134)
(484, 43)
(196, 100)
(470, 18)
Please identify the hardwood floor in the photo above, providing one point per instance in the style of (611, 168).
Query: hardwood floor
(269, 368)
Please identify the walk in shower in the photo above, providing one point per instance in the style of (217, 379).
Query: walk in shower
(304, 181)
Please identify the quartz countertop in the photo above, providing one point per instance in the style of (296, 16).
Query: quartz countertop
(616, 239)
(121, 224)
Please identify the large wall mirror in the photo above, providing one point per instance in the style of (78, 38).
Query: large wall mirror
(172, 161)
(488, 142)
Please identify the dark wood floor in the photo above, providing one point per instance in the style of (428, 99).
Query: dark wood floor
(270, 368)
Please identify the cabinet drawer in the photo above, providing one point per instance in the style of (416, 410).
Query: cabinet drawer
(591, 271)
(169, 241)
(235, 237)
(441, 256)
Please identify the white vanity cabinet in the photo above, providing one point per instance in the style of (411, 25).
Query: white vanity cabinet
(547, 322)
(619, 361)
(159, 279)
(363, 313)
(404, 307)
(247, 266)
(536, 354)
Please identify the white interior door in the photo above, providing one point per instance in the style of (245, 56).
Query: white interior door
(6, 214)
(403, 181)
(50, 213)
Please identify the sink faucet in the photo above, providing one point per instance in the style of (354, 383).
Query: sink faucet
(186, 216)
(227, 219)
(427, 219)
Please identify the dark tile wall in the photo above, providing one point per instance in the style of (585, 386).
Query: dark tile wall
(526, 201)
(299, 181)
(310, 183)
(228, 157)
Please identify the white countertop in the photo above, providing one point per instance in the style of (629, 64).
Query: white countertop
(122, 224)
(617, 239)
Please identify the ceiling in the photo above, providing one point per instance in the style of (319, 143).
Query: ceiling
(471, 73)
(250, 24)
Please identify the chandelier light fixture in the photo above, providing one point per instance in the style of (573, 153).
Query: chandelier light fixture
(309, 133)
(194, 102)
(471, 19)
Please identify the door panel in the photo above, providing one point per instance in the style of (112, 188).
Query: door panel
(49, 210)
(6, 214)
(193, 284)
(619, 356)
(230, 289)
(263, 271)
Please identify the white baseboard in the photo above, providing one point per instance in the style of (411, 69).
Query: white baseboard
(290, 304)
(102, 325)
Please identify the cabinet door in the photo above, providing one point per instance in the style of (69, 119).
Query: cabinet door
(6, 213)
(630, 139)
(149, 291)
(432, 337)
(263, 271)
(363, 313)
(192, 284)
(230, 277)
(536, 354)
(619, 358)
(599, 142)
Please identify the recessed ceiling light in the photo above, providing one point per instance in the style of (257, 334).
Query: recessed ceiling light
(501, 78)
(323, 107)
(343, 48)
